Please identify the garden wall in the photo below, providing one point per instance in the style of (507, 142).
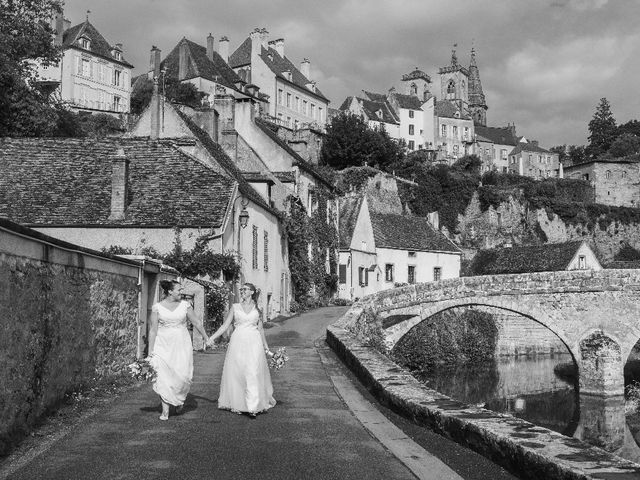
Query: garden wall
(68, 315)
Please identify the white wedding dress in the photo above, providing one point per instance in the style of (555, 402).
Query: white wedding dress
(172, 354)
(246, 381)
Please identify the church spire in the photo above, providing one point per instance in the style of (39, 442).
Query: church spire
(477, 101)
(454, 57)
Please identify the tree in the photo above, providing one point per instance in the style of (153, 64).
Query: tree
(26, 36)
(174, 90)
(632, 126)
(350, 142)
(602, 130)
(577, 154)
(468, 163)
(561, 150)
(625, 145)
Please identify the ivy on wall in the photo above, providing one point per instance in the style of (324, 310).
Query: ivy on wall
(313, 243)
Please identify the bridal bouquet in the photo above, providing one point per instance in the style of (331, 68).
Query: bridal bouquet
(278, 358)
(143, 370)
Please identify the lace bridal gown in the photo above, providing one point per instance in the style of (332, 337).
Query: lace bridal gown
(246, 381)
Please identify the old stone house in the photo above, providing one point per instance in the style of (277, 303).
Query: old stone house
(141, 192)
(493, 145)
(93, 75)
(380, 247)
(614, 180)
(294, 98)
(530, 160)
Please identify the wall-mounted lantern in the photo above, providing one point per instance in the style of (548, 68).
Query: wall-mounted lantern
(244, 218)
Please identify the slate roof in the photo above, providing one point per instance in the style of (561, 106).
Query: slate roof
(499, 135)
(226, 163)
(349, 210)
(376, 97)
(47, 181)
(372, 108)
(447, 109)
(409, 233)
(551, 257)
(408, 101)
(200, 65)
(98, 46)
(277, 64)
(527, 147)
(308, 167)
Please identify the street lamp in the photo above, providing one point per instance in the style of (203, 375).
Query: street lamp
(244, 218)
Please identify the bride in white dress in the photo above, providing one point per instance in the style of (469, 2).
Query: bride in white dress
(245, 386)
(170, 347)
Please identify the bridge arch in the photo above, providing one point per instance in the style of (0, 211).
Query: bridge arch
(397, 332)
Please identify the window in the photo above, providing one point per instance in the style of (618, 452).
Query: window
(266, 251)
(388, 272)
(411, 274)
(304, 107)
(342, 273)
(116, 103)
(289, 100)
(85, 43)
(411, 130)
(363, 276)
(117, 55)
(116, 77)
(624, 174)
(288, 121)
(413, 90)
(320, 114)
(411, 254)
(437, 273)
(296, 124)
(444, 130)
(313, 110)
(451, 89)
(466, 133)
(582, 262)
(255, 247)
(411, 113)
(363, 244)
(411, 145)
(455, 131)
(297, 103)
(608, 174)
(86, 67)
(455, 149)
(280, 93)
(503, 153)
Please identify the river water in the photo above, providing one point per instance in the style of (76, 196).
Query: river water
(528, 388)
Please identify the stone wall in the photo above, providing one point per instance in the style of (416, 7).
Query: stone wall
(68, 316)
(522, 336)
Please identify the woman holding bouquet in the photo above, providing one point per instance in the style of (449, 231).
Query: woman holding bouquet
(246, 382)
(171, 351)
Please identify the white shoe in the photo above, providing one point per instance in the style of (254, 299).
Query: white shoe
(164, 417)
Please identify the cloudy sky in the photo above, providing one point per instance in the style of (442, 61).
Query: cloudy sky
(544, 64)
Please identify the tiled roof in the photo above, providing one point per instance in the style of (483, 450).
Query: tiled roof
(349, 210)
(226, 163)
(308, 167)
(68, 182)
(277, 64)
(371, 109)
(447, 109)
(551, 257)
(200, 65)
(408, 101)
(625, 160)
(98, 46)
(409, 233)
(527, 147)
(499, 135)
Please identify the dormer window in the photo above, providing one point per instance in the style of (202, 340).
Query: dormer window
(457, 115)
(85, 43)
(117, 55)
(379, 113)
(287, 75)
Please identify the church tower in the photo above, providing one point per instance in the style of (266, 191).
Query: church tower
(417, 83)
(477, 103)
(454, 82)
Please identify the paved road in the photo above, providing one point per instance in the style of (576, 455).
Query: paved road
(311, 434)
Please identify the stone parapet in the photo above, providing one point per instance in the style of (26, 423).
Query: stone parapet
(529, 451)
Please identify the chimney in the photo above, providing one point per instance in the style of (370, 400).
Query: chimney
(223, 48)
(59, 27)
(278, 46)
(182, 60)
(264, 35)
(119, 179)
(210, 47)
(305, 68)
(154, 65)
(256, 44)
(155, 111)
(534, 143)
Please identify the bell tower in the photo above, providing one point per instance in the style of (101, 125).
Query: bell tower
(454, 82)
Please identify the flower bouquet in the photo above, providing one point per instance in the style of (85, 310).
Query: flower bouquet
(143, 370)
(277, 359)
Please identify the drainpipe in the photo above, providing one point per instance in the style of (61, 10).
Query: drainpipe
(139, 348)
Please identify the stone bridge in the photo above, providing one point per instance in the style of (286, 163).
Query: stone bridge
(595, 314)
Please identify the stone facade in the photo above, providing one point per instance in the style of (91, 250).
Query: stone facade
(616, 182)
